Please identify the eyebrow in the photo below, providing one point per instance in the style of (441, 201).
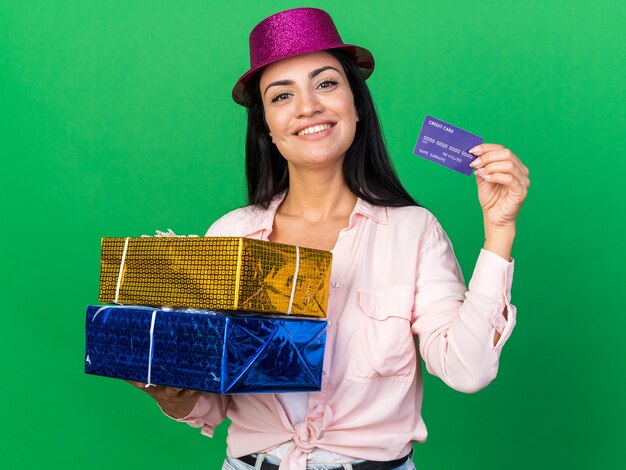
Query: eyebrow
(312, 74)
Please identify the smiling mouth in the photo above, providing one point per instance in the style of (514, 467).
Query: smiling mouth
(314, 129)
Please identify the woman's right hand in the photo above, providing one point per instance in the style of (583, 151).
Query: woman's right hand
(175, 402)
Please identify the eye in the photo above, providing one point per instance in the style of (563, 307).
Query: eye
(280, 97)
(327, 84)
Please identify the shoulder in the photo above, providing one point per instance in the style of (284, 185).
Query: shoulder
(417, 226)
(237, 223)
(414, 219)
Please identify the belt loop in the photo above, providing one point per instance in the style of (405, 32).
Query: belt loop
(347, 466)
(259, 461)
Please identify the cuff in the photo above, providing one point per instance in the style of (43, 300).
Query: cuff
(493, 276)
(492, 280)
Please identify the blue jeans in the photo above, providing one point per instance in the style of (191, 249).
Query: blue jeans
(235, 464)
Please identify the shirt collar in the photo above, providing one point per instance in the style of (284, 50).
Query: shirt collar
(377, 213)
(262, 220)
(265, 218)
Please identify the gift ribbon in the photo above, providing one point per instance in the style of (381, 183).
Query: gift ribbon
(148, 383)
(238, 273)
(295, 280)
(104, 307)
(152, 322)
(120, 275)
(238, 277)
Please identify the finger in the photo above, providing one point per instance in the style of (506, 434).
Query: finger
(150, 389)
(480, 149)
(184, 392)
(506, 166)
(170, 393)
(139, 385)
(525, 170)
(484, 148)
(498, 155)
(512, 183)
(162, 391)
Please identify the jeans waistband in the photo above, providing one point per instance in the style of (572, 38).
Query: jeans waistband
(364, 465)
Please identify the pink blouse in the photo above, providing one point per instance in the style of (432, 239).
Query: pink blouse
(394, 275)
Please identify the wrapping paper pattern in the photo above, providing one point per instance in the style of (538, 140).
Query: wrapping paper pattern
(206, 350)
(221, 273)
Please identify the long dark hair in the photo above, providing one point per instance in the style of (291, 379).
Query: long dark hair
(367, 169)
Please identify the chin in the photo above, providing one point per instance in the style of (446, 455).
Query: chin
(323, 158)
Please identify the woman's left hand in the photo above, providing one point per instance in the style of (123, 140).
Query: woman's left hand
(502, 184)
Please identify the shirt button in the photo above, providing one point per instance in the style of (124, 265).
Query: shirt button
(335, 284)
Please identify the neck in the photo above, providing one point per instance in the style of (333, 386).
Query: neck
(317, 195)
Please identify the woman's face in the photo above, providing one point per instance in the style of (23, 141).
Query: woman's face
(309, 109)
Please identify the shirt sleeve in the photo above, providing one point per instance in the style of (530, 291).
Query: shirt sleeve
(456, 326)
(209, 412)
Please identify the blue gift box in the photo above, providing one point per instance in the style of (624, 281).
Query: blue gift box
(207, 351)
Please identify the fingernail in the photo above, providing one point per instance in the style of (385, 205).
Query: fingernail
(476, 162)
(486, 177)
(476, 149)
(479, 171)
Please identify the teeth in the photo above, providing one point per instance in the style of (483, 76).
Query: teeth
(314, 129)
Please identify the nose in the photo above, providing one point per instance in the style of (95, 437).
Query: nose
(308, 104)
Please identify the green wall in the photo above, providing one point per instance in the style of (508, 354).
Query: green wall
(116, 120)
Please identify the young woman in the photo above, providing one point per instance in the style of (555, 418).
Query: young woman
(319, 176)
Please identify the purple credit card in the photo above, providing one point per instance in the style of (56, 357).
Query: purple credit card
(446, 144)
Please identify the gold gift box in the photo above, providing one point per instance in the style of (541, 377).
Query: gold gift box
(221, 273)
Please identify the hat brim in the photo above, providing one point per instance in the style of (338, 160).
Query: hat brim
(362, 57)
